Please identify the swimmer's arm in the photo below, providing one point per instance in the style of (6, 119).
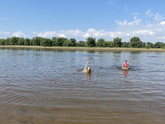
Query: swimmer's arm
(85, 68)
(128, 66)
(122, 66)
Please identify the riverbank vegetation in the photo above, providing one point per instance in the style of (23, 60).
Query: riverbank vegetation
(134, 42)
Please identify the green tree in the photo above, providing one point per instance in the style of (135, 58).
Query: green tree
(81, 43)
(7, 42)
(27, 41)
(110, 44)
(100, 43)
(54, 40)
(159, 45)
(91, 42)
(60, 41)
(105, 44)
(21, 41)
(14, 41)
(147, 47)
(73, 41)
(150, 45)
(36, 41)
(135, 42)
(46, 42)
(125, 44)
(117, 42)
(67, 43)
(2, 41)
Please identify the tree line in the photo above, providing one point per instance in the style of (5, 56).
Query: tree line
(134, 42)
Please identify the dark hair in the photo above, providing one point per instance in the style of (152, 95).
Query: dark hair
(125, 60)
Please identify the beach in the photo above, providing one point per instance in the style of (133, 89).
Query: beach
(86, 48)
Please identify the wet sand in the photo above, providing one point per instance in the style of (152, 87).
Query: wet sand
(86, 48)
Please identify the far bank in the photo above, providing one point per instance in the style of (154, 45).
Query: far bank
(86, 48)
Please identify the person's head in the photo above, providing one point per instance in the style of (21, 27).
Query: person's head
(125, 61)
(89, 69)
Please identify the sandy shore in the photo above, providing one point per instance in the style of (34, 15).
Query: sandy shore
(85, 48)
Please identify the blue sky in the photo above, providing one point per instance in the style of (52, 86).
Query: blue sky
(81, 19)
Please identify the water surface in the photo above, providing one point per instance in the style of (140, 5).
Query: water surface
(46, 87)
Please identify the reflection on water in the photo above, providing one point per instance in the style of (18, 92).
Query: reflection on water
(125, 73)
(46, 87)
(88, 75)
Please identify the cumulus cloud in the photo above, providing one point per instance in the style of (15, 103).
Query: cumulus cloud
(61, 35)
(74, 33)
(122, 34)
(144, 32)
(156, 16)
(91, 32)
(161, 37)
(102, 33)
(19, 34)
(149, 13)
(162, 23)
(135, 22)
(49, 34)
(120, 23)
(46, 34)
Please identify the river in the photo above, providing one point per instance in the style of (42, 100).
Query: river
(47, 87)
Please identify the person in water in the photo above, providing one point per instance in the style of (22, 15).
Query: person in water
(87, 69)
(125, 65)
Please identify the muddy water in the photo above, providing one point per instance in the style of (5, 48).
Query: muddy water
(46, 87)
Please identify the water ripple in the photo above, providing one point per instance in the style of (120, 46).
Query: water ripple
(47, 87)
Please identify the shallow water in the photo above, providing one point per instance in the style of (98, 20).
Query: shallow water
(46, 87)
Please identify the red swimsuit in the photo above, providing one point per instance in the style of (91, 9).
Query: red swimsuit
(125, 65)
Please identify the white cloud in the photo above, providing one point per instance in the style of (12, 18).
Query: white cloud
(135, 22)
(46, 34)
(161, 37)
(79, 34)
(61, 35)
(91, 32)
(102, 33)
(149, 13)
(162, 23)
(4, 33)
(144, 32)
(74, 33)
(94, 33)
(158, 17)
(120, 23)
(19, 34)
(49, 34)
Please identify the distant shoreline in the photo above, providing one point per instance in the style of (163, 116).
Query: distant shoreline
(87, 48)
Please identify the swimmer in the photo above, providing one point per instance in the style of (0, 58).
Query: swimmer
(125, 65)
(86, 69)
